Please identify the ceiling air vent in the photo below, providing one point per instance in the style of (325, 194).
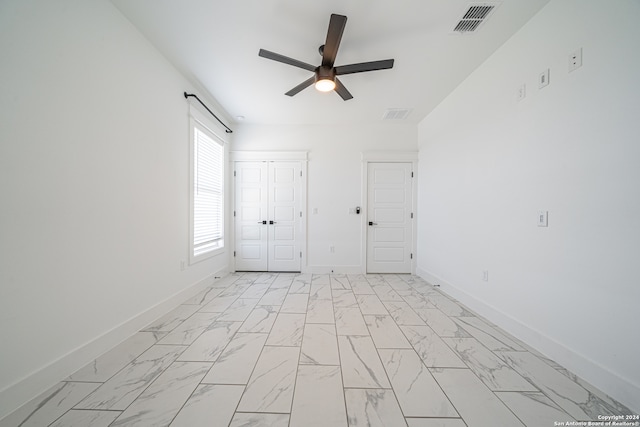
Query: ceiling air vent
(475, 15)
(396, 114)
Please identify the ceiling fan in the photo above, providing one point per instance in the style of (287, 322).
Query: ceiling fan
(325, 75)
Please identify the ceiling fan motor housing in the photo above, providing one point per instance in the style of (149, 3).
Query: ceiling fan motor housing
(325, 73)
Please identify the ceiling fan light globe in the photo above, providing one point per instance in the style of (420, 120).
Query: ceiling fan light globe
(325, 85)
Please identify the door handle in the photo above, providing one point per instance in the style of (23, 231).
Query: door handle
(262, 222)
(373, 223)
(272, 222)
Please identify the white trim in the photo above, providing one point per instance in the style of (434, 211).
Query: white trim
(22, 391)
(257, 156)
(303, 208)
(388, 157)
(599, 376)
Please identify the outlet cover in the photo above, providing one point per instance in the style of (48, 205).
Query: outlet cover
(575, 59)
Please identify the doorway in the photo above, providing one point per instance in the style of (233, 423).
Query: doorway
(390, 217)
(269, 232)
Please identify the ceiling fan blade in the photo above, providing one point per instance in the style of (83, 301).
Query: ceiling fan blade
(301, 86)
(286, 60)
(364, 66)
(334, 35)
(342, 91)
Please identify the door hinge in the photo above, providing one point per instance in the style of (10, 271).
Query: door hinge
(234, 253)
(234, 173)
(300, 214)
(234, 214)
(300, 254)
(411, 215)
(411, 256)
(300, 173)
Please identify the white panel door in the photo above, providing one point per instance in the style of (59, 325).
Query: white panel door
(390, 223)
(251, 216)
(267, 216)
(284, 216)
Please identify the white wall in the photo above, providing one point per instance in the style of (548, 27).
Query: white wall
(334, 181)
(488, 163)
(93, 188)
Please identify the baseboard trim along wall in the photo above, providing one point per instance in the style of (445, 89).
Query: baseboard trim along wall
(21, 392)
(599, 376)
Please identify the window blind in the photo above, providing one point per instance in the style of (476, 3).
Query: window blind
(208, 221)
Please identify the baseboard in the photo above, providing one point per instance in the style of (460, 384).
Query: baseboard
(22, 391)
(599, 376)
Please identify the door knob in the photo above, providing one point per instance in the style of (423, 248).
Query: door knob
(373, 223)
(272, 222)
(262, 222)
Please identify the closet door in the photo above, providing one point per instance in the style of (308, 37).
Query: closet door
(284, 216)
(251, 216)
(267, 216)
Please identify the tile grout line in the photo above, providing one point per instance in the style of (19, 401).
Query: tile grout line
(387, 285)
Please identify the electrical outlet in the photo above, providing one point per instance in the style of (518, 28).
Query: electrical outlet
(543, 79)
(522, 92)
(182, 265)
(485, 275)
(575, 59)
(332, 249)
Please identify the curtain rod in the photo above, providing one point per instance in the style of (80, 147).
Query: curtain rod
(187, 95)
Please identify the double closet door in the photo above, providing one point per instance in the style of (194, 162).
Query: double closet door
(268, 215)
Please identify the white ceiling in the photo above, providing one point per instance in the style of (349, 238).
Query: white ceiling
(215, 43)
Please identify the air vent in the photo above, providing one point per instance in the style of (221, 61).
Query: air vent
(475, 15)
(396, 114)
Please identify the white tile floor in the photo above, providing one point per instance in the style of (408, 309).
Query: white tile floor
(260, 349)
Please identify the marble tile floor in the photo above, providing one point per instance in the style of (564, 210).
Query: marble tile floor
(294, 350)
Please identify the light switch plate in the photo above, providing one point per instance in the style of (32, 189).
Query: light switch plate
(543, 218)
(522, 92)
(543, 79)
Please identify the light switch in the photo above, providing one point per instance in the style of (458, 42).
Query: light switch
(522, 92)
(543, 218)
(543, 79)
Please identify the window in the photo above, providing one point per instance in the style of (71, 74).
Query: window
(207, 192)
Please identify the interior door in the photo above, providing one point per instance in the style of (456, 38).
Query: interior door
(284, 216)
(390, 222)
(251, 216)
(267, 216)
